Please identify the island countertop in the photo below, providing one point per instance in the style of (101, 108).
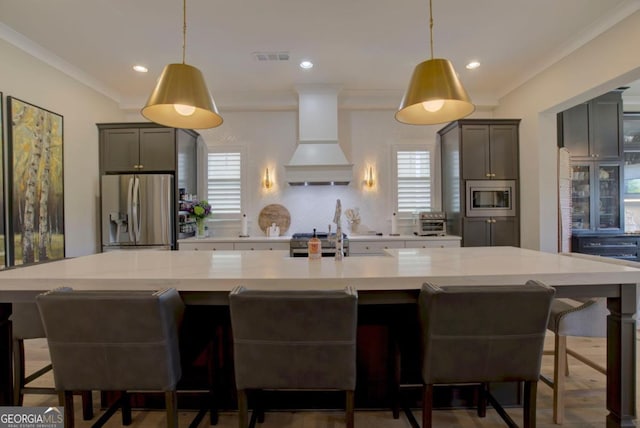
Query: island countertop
(206, 277)
(399, 269)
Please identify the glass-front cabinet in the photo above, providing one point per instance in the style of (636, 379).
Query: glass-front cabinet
(632, 173)
(595, 196)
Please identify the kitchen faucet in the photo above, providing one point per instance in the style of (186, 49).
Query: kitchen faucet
(336, 220)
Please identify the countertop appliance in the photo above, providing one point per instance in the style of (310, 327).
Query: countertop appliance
(137, 211)
(298, 244)
(491, 198)
(431, 224)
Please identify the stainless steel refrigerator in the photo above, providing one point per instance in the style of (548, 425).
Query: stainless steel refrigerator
(137, 211)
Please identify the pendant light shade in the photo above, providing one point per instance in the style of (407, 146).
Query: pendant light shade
(435, 94)
(181, 100)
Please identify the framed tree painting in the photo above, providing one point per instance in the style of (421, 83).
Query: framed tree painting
(36, 186)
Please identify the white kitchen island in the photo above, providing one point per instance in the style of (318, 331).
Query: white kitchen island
(206, 277)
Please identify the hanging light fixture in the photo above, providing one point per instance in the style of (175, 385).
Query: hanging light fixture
(181, 98)
(435, 95)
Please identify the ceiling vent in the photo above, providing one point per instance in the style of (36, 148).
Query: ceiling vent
(318, 159)
(271, 56)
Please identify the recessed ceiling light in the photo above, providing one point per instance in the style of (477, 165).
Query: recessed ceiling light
(140, 68)
(473, 65)
(306, 65)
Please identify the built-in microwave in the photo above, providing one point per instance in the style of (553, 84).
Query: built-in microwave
(491, 198)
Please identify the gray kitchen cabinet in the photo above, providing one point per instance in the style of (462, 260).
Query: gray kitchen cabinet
(596, 203)
(593, 130)
(140, 147)
(593, 133)
(489, 152)
(623, 247)
(491, 231)
(472, 150)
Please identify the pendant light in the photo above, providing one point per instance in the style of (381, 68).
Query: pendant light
(435, 95)
(181, 98)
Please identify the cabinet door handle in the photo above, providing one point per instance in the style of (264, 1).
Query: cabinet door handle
(488, 220)
(487, 175)
(140, 166)
(493, 175)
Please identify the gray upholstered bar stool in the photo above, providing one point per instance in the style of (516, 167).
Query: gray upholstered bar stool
(114, 341)
(26, 323)
(579, 318)
(294, 340)
(483, 334)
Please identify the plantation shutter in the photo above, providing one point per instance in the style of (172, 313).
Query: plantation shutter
(414, 181)
(224, 184)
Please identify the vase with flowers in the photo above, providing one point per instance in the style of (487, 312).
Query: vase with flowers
(200, 210)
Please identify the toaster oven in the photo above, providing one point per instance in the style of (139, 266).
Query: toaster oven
(431, 224)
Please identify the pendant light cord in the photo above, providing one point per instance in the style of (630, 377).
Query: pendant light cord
(430, 27)
(184, 30)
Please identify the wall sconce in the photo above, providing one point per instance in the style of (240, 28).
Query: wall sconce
(368, 178)
(267, 182)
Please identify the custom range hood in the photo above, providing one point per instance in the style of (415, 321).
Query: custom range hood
(318, 159)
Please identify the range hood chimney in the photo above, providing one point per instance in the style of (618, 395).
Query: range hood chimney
(318, 159)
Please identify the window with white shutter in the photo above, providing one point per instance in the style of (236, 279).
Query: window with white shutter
(413, 174)
(224, 183)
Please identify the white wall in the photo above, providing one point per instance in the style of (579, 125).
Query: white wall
(29, 79)
(605, 63)
(366, 137)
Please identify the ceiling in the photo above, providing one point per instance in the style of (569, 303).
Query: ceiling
(362, 45)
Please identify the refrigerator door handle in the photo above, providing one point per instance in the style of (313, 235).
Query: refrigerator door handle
(135, 209)
(130, 216)
(166, 213)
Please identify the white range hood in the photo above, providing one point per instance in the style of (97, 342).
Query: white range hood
(318, 159)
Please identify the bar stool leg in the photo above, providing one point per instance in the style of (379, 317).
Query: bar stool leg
(350, 409)
(243, 409)
(559, 367)
(427, 405)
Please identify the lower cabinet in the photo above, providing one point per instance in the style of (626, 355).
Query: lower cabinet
(247, 246)
(624, 247)
(205, 246)
(377, 247)
(436, 243)
(373, 247)
(490, 231)
(261, 246)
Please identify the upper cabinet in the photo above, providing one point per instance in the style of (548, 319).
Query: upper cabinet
(141, 147)
(593, 134)
(489, 151)
(593, 130)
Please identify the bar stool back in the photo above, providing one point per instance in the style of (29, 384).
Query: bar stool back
(26, 323)
(303, 340)
(114, 341)
(483, 334)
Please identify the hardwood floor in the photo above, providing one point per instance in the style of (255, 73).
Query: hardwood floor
(585, 402)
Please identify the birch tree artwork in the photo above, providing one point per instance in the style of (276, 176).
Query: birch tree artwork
(37, 199)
